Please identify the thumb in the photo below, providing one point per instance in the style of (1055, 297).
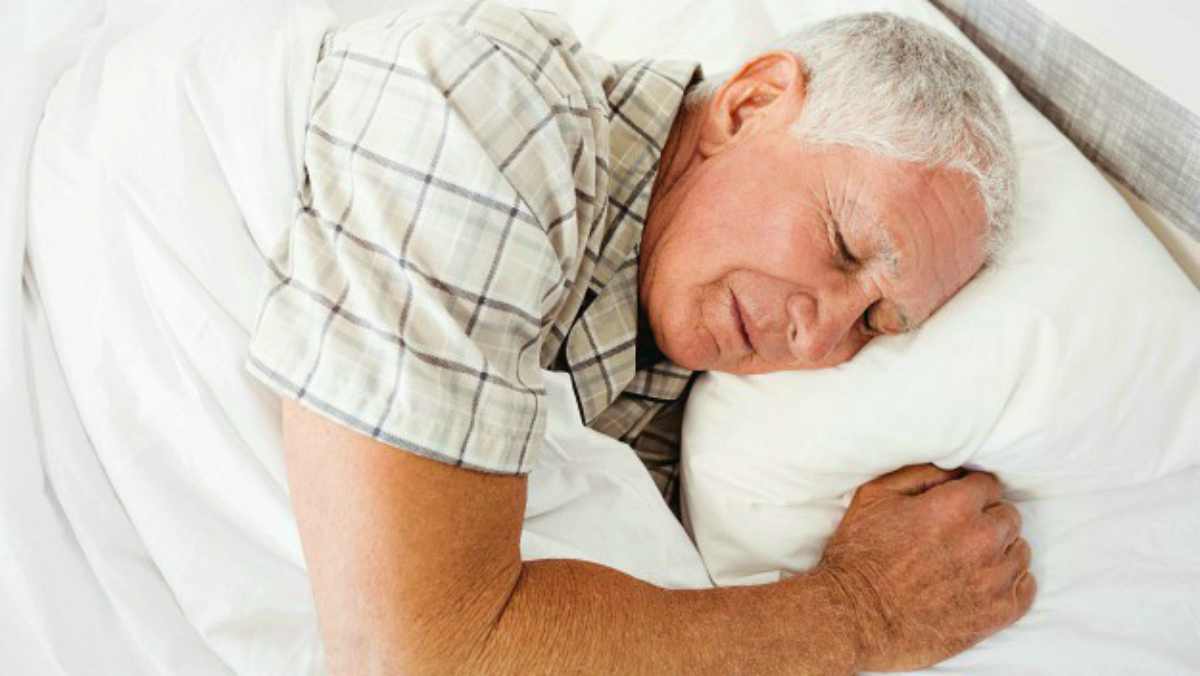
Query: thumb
(912, 480)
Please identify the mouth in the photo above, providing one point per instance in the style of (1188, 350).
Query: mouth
(735, 309)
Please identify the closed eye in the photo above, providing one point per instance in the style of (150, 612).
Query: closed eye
(842, 249)
(866, 322)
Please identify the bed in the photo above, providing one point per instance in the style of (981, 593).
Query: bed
(145, 525)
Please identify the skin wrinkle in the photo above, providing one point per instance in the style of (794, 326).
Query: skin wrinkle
(884, 247)
(836, 229)
(948, 283)
(886, 251)
(884, 254)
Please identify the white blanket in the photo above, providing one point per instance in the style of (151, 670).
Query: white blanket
(166, 157)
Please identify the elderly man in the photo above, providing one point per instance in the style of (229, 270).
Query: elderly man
(483, 199)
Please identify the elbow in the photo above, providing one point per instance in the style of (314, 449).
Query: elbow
(463, 632)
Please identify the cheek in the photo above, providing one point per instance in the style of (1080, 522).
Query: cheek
(697, 250)
(682, 330)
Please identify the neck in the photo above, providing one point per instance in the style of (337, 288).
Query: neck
(678, 156)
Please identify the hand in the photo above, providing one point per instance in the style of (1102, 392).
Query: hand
(930, 562)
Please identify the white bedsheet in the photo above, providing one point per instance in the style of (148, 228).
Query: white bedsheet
(144, 522)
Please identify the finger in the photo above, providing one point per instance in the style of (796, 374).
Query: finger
(1025, 590)
(1020, 593)
(913, 479)
(978, 488)
(1017, 559)
(1007, 521)
(1002, 576)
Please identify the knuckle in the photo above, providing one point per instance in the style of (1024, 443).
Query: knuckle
(955, 502)
(1006, 524)
(989, 487)
(1018, 521)
(1026, 591)
(862, 498)
(981, 479)
(867, 490)
(1023, 552)
(985, 476)
(982, 543)
(1007, 609)
(1009, 513)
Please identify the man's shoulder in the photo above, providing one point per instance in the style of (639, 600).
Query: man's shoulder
(537, 45)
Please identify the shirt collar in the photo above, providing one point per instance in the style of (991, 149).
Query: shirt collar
(644, 99)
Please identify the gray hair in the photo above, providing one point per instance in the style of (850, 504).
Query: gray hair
(895, 87)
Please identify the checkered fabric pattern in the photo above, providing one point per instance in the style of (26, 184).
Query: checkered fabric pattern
(472, 206)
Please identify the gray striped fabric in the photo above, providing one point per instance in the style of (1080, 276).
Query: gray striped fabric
(1124, 125)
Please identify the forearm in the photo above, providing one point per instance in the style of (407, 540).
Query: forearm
(416, 569)
(577, 617)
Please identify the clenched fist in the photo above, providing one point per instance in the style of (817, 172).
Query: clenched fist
(929, 562)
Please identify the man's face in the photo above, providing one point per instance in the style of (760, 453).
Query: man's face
(782, 256)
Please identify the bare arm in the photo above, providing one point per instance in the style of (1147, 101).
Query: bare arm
(416, 568)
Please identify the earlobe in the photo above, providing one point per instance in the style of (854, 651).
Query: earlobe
(765, 91)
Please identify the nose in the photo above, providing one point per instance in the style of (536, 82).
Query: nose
(817, 328)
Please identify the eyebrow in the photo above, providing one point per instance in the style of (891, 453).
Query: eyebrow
(886, 251)
(886, 248)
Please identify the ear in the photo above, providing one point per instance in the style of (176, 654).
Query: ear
(766, 91)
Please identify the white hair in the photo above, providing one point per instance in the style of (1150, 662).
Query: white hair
(900, 89)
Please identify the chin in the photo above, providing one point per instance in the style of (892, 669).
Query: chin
(690, 353)
(690, 359)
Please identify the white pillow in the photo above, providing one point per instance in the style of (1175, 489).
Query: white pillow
(1070, 366)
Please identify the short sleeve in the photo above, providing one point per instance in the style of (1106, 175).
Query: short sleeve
(410, 296)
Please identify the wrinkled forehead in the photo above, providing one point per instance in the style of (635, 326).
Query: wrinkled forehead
(930, 227)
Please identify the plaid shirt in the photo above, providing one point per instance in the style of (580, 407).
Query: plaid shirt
(471, 212)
